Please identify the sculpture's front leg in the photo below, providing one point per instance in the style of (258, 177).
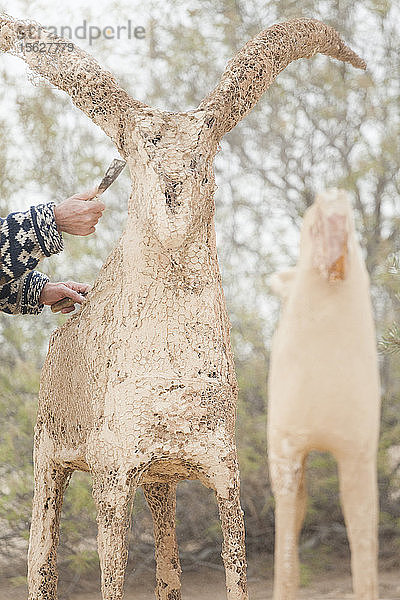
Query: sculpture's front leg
(161, 498)
(233, 532)
(359, 499)
(113, 493)
(50, 483)
(288, 481)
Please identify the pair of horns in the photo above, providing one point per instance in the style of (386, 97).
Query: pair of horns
(246, 77)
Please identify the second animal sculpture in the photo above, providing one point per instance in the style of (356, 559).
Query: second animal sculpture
(324, 391)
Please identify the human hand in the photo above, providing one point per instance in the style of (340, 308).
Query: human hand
(78, 214)
(53, 292)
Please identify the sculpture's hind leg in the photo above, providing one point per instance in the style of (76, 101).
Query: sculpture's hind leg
(161, 498)
(233, 548)
(288, 482)
(113, 492)
(359, 498)
(50, 483)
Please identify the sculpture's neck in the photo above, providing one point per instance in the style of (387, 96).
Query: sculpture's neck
(144, 255)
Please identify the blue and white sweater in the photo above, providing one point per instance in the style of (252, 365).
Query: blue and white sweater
(25, 239)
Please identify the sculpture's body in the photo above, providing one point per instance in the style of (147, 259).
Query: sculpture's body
(153, 365)
(324, 391)
(139, 387)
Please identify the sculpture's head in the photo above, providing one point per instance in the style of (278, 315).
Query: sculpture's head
(178, 148)
(326, 233)
(172, 173)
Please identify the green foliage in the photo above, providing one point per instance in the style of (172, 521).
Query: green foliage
(391, 340)
(82, 562)
(16, 417)
(305, 575)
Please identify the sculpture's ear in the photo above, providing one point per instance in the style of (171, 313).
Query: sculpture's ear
(258, 63)
(281, 282)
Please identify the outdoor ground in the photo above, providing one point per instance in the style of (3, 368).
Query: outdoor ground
(208, 584)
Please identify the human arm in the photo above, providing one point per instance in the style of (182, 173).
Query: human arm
(30, 293)
(25, 239)
(28, 237)
(21, 296)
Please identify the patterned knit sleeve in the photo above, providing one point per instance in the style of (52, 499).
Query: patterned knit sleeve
(21, 296)
(26, 238)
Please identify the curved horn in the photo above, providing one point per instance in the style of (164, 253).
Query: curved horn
(92, 89)
(252, 70)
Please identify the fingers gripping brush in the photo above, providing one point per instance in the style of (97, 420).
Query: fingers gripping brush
(111, 175)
